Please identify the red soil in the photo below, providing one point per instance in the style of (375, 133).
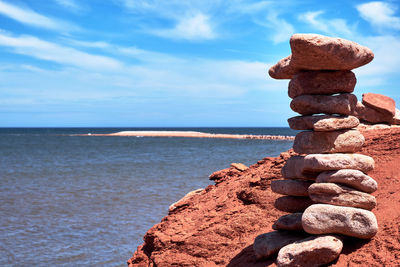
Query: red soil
(217, 227)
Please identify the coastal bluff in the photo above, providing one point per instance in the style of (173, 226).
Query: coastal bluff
(216, 226)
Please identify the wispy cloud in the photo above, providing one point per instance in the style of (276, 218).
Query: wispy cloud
(380, 14)
(337, 26)
(32, 18)
(70, 4)
(282, 29)
(40, 49)
(197, 27)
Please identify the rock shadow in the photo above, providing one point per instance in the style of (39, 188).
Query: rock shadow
(246, 258)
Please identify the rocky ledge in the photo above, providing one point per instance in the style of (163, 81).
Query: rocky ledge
(217, 226)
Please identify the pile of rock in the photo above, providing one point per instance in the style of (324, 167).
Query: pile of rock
(326, 188)
(377, 108)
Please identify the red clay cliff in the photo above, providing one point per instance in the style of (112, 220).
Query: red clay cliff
(217, 226)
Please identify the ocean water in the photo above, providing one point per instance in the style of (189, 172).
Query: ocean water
(88, 200)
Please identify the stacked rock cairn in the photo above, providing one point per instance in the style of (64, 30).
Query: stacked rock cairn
(326, 187)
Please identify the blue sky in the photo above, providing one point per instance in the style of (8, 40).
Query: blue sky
(136, 63)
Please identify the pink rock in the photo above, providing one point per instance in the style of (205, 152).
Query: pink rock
(329, 219)
(311, 252)
(340, 195)
(381, 103)
(368, 114)
(292, 204)
(291, 187)
(323, 123)
(321, 83)
(342, 141)
(318, 52)
(353, 178)
(308, 167)
(282, 69)
(269, 244)
(289, 222)
(343, 104)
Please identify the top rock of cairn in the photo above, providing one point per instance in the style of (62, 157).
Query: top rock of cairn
(318, 52)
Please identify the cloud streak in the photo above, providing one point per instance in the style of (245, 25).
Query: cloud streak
(379, 14)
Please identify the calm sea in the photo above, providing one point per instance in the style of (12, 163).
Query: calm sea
(88, 200)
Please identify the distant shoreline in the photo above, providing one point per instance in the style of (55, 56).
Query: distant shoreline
(192, 134)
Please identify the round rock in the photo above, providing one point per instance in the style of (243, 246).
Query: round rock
(313, 251)
(382, 103)
(290, 222)
(342, 141)
(321, 83)
(343, 104)
(291, 187)
(323, 123)
(268, 244)
(318, 52)
(340, 195)
(353, 178)
(329, 219)
(292, 204)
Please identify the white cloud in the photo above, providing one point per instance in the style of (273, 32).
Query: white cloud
(282, 29)
(30, 17)
(379, 14)
(34, 47)
(71, 5)
(195, 27)
(337, 27)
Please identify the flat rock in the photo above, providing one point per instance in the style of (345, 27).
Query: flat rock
(371, 115)
(291, 187)
(342, 141)
(289, 222)
(308, 167)
(269, 244)
(292, 204)
(239, 166)
(382, 103)
(283, 69)
(321, 83)
(396, 118)
(340, 195)
(343, 104)
(318, 52)
(311, 252)
(329, 219)
(293, 169)
(323, 123)
(353, 178)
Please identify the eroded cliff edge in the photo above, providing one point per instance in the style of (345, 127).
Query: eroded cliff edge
(217, 226)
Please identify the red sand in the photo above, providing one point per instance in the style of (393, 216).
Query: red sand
(217, 226)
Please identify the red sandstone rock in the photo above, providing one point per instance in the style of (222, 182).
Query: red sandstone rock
(368, 114)
(340, 195)
(218, 229)
(330, 219)
(292, 204)
(282, 69)
(323, 123)
(289, 222)
(321, 83)
(382, 103)
(343, 104)
(313, 251)
(318, 52)
(291, 187)
(342, 141)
